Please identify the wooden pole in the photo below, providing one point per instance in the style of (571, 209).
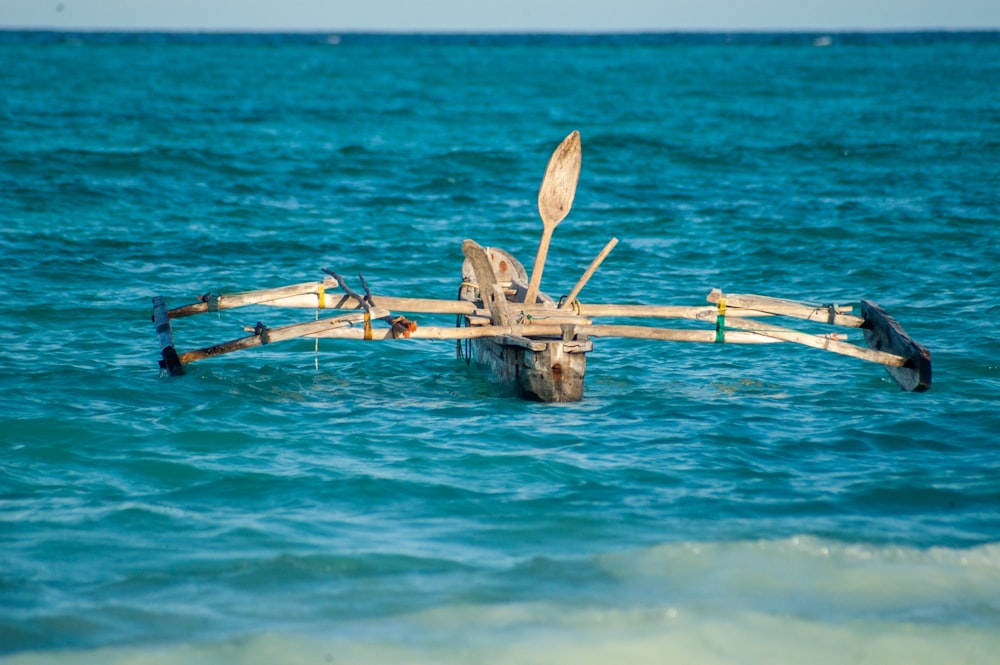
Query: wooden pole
(780, 307)
(543, 332)
(591, 269)
(345, 327)
(165, 335)
(306, 296)
(211, 303)
(818, 342)
(755, 336)
(266, 335)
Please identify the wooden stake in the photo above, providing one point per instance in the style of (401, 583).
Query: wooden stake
(591, 269)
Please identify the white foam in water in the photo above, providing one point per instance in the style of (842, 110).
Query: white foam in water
(799, 600)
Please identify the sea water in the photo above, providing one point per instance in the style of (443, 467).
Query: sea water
(383, 502)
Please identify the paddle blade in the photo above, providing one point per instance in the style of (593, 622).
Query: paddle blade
(555, 197)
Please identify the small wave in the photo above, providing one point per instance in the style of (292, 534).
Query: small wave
(685, 613)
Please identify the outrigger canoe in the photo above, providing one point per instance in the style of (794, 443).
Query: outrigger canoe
(525, 339)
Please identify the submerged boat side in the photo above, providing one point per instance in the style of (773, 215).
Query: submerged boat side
(542, 370)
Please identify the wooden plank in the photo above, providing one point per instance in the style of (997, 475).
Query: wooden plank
(578, 346)
(523, 342)
(883, 333)
(545, 333)
(170, 361)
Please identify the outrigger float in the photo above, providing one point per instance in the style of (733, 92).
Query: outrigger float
(527, 340)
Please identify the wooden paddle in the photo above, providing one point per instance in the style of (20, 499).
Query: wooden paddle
(555, 198)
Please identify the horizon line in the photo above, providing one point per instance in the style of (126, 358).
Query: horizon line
(495, 31)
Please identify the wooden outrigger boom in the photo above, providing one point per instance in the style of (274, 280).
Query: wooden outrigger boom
(528, 341)
(545, 336)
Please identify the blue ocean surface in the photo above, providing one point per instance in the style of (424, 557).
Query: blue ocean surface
(352, 502)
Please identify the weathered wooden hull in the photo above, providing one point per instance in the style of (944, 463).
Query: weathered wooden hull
(542, 370)
(543, 367)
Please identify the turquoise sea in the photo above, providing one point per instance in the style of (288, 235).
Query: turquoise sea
(385, 503)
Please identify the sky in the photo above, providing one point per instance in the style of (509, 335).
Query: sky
(500, 15)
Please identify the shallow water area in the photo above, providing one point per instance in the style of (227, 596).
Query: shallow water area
(353, 502)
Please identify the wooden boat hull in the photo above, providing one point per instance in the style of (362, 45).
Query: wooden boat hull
(542, 368)
(529, 342)
(545, 371)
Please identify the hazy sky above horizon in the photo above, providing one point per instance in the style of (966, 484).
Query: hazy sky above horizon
(510, 15)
